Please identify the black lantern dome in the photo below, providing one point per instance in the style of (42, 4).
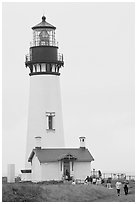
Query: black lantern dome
(43, 57)
(43, 24)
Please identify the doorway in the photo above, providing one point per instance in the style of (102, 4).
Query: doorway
(66, 171)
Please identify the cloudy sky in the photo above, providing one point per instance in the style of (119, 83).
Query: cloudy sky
(97, 81)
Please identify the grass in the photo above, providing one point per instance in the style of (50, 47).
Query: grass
(47, 192)
(19, 192)
(73, 193)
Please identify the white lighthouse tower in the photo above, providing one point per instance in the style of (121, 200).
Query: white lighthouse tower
(45, 112)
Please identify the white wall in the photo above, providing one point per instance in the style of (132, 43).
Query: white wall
(26, 176)
(44, 97)
(81, 170)
(51, 171)
(36, 169)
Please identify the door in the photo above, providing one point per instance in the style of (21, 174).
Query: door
(66, 168)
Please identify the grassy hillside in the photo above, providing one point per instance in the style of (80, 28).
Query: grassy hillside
(28, 192)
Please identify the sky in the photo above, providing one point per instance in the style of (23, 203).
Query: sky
(97, 80)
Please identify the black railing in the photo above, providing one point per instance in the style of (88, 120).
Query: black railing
(28, 58)
(60, 57)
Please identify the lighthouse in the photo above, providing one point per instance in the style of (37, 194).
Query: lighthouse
(44, 111)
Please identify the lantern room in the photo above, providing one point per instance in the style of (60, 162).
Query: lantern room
(44, 34)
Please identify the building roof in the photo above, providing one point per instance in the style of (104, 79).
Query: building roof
(43, 24)
(52, 155)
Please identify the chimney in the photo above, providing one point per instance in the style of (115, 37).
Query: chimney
(38, 142)
(82, 142)
(11, 173)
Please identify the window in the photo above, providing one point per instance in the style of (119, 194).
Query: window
(50, 120)
(72, 165)
(38, 67)
(43, 67)
(44, 36)
(48, 67)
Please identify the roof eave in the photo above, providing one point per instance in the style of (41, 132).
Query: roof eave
(31, 156)
(37, 27)
(60, 160)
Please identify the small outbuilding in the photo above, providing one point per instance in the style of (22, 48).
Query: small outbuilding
(60, 163)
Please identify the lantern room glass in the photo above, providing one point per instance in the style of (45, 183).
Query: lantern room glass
(44, 37)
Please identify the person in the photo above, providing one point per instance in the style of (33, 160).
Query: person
(67, 175)
(102, 181)
(90, 179)
(73, 182)
(98, 182)
(109, 183)
(118, 187)
(99, 173)
(126, 188)
(94, 180)
(87, 179)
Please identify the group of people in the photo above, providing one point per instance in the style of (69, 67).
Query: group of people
(119, 185)
(94, 180)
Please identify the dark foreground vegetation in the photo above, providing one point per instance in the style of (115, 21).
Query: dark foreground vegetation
(59, 192)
